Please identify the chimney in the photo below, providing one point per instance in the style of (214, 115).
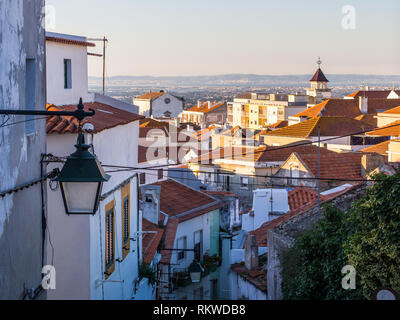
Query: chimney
(209, 104)
(198, 103)
(363, 104)
(150, 203)
(177, 121)
(369, 162)
(250, 252)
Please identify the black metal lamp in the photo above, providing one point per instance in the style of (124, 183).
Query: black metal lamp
(81, 180)
(195, 271)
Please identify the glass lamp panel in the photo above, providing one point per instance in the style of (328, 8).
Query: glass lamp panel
(80, 197)
(195, 276)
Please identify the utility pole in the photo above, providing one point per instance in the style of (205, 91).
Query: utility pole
(104, 62)
(104, 40)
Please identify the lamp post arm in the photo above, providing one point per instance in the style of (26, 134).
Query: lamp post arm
(79, 113)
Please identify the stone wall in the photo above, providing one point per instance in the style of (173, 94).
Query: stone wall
(282, 236)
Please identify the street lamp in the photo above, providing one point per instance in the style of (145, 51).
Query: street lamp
(195, 271)
(82, 176)
(81, 180)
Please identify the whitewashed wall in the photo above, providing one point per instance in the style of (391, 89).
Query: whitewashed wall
(55, 55)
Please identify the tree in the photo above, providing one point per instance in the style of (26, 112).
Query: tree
(374, 246)
(311, 268)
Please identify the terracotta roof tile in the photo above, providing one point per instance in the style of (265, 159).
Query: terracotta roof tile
(279, 154)
(204, 107)
(368, 118)
(150, 241)
(106, 117)
(170, 232)
(335, 166)
(177, 198)
(395, 110)
(69, 41)
(373, 94)
(151, 95)
(390, 130)
(279, 124)
(300, 196)
(329, 126)
(319, 76)
(347, 107)
(380, 148)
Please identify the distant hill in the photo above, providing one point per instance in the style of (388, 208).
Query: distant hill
(248, 80)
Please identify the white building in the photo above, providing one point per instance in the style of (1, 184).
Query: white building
(267, 205)
(159, 104)
(191, 220)
(67, 72)
(98, 257)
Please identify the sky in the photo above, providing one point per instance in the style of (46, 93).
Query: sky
(210, 37)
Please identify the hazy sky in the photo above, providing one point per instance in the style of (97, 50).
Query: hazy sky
(206, 37)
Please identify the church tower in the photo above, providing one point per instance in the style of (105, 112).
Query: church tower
(318, 90)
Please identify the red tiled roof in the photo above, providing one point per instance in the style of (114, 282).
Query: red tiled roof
(150, 241)
(177, 198)
(368, 118)
(319, 76)
(151, 95)
(279, 124)
(233, 153)
(221, 193)
(335, 166)
(204, 107)
(279, 154)
(395, 110)
(300, 196)
(106, 117)
(380, 148)
(390, 130)
(329, 126)
(373, 94)
(169, 241)
(69, 41)
(347, 107)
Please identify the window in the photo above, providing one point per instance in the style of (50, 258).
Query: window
(142, 178)
(198, 245)
(160, 173)
(110, 239)
(30, 94)
(67, 74)
(181, 244)
(244, 182)
(125, 221)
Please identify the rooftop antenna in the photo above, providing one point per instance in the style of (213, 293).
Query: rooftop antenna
(104, 40)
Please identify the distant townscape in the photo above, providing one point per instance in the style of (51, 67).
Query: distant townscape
(191, 188)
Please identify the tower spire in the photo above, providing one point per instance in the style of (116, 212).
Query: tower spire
(319, 62)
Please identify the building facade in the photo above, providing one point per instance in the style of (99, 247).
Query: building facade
(159, 104)
(22, 87)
